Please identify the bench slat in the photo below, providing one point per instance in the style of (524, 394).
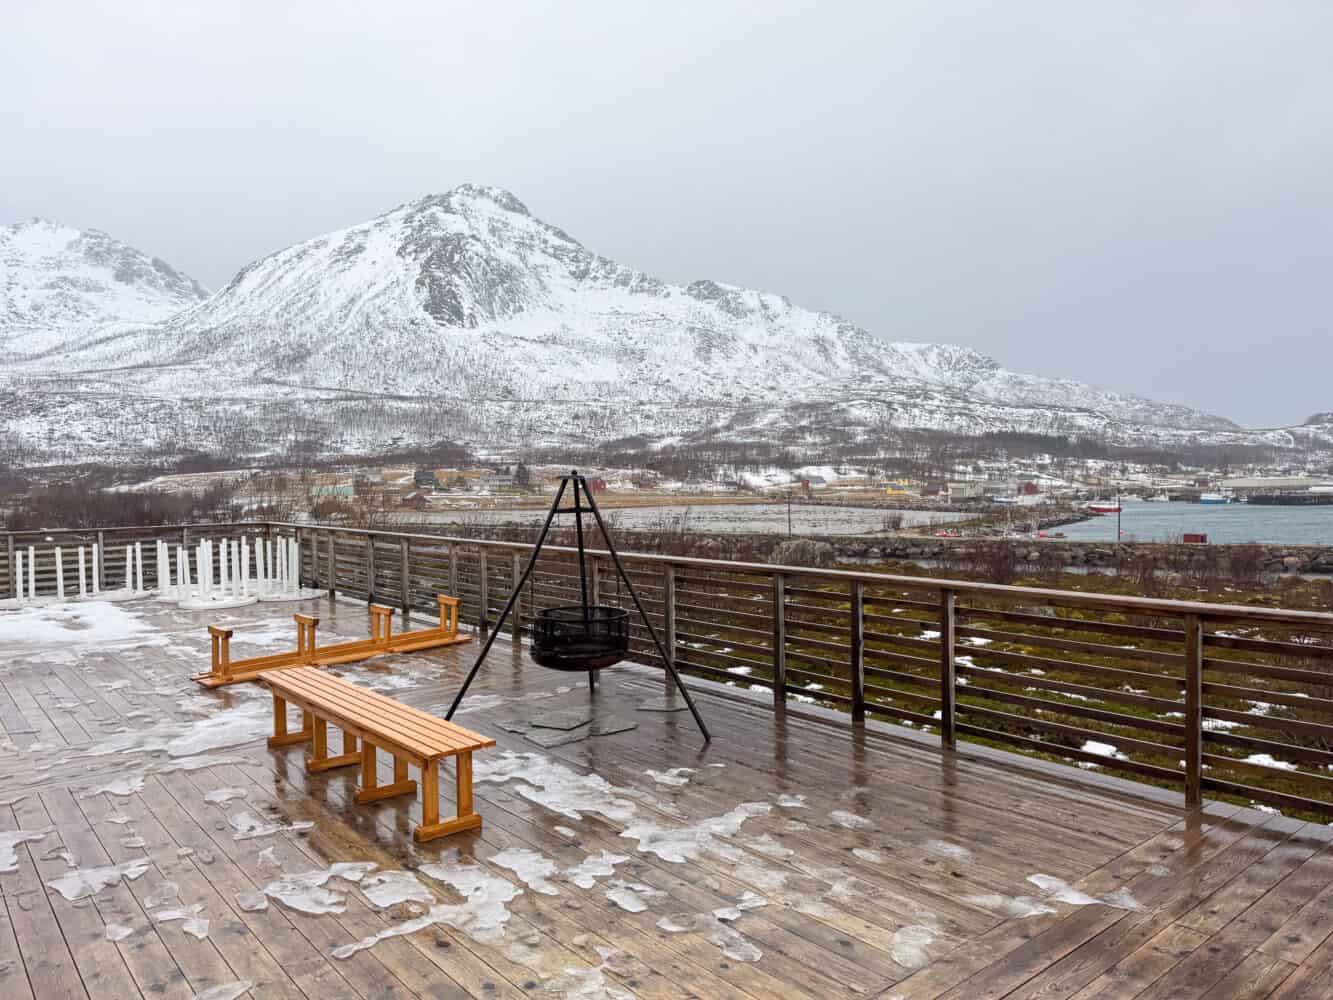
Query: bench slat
(429, 734)
(332, 697)
(350, 697)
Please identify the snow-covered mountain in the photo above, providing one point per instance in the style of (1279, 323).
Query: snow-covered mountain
(57, 281)
(461, 315)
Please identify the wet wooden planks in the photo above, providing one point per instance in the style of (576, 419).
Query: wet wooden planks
(892, 837)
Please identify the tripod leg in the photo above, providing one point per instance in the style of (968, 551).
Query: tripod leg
(509, 606)
(661, 651)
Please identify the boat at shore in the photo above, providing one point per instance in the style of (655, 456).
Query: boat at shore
(1102, 507)
(1214, 498)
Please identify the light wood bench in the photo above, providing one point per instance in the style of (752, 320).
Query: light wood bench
(408, 734)
(225, 670)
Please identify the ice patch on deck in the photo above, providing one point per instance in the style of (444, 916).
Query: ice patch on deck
(555, 786)
(675, 777)
(251, 902)
(631, 896)
(385, 889)
(850, 820)
(81, 626)
(307, 892)
(533, 869)
(482, 915)
(221, 796)
(225, 991)
(124, 786)
(909, 945)
(248, 826)
(1062, 892)
(584, 984)
(1010, 906)
(217, 729)
(82, 883)
(191, 922)
(790, 801)
(735, 945)
(685, 843)
(9, 842)
(767, 845)
(593, 867)
(954, 852)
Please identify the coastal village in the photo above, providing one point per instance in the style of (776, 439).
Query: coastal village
(407, 493)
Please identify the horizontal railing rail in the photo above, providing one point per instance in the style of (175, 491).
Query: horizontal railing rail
(1223, 698)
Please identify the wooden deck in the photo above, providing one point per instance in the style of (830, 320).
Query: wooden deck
(885, 867)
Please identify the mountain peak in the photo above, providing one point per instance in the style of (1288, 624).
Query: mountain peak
(465, 197)
(54, 276)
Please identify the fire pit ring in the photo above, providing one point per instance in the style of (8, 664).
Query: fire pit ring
(578, 638)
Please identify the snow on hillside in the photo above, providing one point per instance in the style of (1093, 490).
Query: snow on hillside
(57, 281)
(461, 315)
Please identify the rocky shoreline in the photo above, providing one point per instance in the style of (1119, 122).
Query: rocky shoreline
(1046, 553)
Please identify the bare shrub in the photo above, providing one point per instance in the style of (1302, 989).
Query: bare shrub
(996, 562)
(804, 552)
(1245, 565)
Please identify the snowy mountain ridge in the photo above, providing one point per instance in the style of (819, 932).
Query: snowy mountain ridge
(56, 279)
(462, 315)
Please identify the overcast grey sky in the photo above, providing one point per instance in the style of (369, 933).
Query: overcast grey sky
(1133, 194)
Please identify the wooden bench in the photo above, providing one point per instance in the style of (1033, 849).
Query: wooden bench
(410, 735)
(224, 670)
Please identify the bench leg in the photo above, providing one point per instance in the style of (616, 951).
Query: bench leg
(319, 759)
(371, 790)
(281, 737)
(467, 819)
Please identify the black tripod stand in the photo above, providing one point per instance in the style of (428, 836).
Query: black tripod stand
(579, 486)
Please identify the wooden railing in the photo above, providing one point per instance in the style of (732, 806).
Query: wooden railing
(1232, 700)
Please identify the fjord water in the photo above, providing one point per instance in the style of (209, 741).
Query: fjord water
(1223, 523)
(769, 518)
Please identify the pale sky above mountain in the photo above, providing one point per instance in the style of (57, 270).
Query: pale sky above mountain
(1134, 194)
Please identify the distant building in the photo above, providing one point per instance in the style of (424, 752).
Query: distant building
(425, 479)
(498, 478)
(329, 490)
(965, 489)
(415, 501)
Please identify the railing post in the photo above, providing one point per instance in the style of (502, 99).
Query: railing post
(453, 570)
(515, 620)
(483, 598)
(669, 615)
(948, 675)
(780, 640)
(300, 555)
(370, 568)
(332, 571)
(596, 596)
(99, 567)
(1193, 710)
(404, 572)
(9, 565)
(857, 658)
